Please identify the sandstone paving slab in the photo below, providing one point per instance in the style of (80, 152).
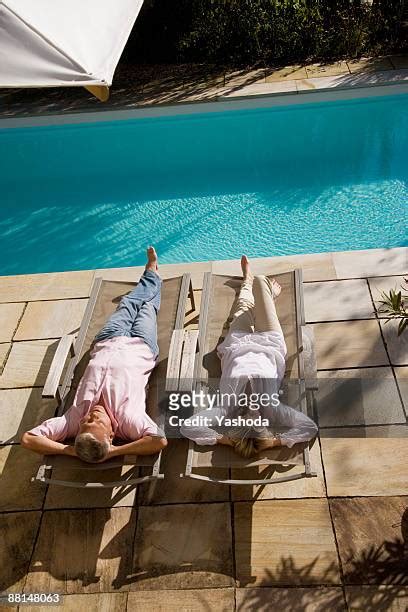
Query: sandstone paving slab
(196, 269)
(304, 487)
(348, 344)
(83, 551)
(21, 410)
(51, 286)
(51, 319)
(401, 374)
(10, 315)
(263, 88)
(240, 78)
(284, 542)
(397, 346)
(320, 70)
(183, 546)
(378, 284)
(70, 497)
(305, 599)
(393, 598)
(17, 466)
(315, 267)
(174, 489)
(4, 350)
(92, 602)
(371, 535)
(296, 71)
(365, 461)
(360, 396)
(342, 81)
(18, 532)
(28, 364)
(189, 600)
(372, 262)
(337, 301)
(369, 64)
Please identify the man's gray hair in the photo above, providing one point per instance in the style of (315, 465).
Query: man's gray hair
(89, 449)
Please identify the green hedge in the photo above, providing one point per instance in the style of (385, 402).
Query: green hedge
(265, 31)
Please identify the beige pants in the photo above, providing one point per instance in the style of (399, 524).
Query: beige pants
(255, 309)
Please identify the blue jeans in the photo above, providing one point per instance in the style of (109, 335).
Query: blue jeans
(136, 315)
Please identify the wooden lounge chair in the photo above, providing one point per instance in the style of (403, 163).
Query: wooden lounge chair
(105, 296)
(219, 293)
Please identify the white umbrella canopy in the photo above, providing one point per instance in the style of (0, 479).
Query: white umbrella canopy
(51, 43)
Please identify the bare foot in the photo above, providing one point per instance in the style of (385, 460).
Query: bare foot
(276, 288)
(246, 270)
(151, 259)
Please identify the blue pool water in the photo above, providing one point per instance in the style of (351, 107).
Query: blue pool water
(318, 177)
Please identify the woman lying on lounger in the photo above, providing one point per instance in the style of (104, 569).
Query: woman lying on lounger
(110, 399)
(253, 364)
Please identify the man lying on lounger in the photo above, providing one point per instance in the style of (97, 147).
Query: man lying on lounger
(253, 364)
(110, 399)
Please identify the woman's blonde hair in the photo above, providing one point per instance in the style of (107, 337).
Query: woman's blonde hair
(246, 447)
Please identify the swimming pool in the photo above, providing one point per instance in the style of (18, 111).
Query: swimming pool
(321, 176)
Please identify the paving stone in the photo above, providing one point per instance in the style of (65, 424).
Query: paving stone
(195, 600)
(174, 489)
(17, 466)
(341, 81)
(363, 461)
(286, 73)
(365, 396)
(196, 269)
(370, 64)
(69, 497)
(4, 349)
(53, 286)
(372, 262)
(83, 551)
(51, 319)
(397, 346)
(259, 89)
(10, 315)
(18, 532)
(241, 78)
(318, 70)
(402, 379)
(363, 598)
(28, 364)
(304, 487)
(349, 344)
(183, 547)
(385, 283)
(284, 542)
(371, 535)
(95, 602)
(315, 267)
(20, 410)
(338, 301)
(304, 599)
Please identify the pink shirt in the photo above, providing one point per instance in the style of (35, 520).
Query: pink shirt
(117, 374)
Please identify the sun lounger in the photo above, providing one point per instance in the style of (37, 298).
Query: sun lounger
(105, 296)
(219, 293)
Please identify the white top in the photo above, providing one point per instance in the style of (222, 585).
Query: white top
(260, 357)
(47, 43)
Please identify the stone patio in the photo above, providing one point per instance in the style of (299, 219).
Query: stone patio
(334, 542)
(137, 86)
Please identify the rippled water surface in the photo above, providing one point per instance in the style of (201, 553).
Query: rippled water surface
(312, 178)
